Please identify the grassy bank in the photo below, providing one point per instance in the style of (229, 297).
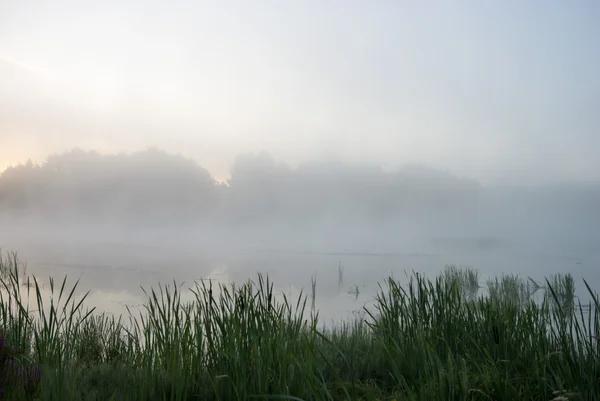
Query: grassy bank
(426, 339)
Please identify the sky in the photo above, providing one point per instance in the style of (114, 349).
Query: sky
(498, 91)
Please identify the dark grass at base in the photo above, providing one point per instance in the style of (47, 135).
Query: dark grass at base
(427, 339)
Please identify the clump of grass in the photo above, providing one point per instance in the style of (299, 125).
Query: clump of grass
(510, 289)
(18, 374)
(467, 280)
(562, 293)
(427, 339)
(313, 284)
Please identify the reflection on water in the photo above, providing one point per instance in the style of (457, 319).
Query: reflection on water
(345, 282)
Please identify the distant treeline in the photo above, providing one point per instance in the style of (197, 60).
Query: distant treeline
(152, 186)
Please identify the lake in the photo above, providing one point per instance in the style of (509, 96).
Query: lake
(115, 272)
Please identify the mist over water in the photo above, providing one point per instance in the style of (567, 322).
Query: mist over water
(121, 223)
(316, 200)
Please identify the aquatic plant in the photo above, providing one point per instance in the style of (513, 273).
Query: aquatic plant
(424, 339)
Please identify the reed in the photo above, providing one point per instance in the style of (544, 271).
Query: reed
(426, 339)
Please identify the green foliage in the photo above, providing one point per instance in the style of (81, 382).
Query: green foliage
(426, 340)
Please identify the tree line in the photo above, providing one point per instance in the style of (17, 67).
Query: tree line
(154, 187)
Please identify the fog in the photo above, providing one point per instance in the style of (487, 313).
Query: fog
(123, 221)
(498, 92)
(182, 140)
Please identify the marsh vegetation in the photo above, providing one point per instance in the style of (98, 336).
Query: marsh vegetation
(442, 338)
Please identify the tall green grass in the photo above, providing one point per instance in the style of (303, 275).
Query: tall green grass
(427, 339)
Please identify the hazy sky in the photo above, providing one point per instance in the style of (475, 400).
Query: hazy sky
(492, 89)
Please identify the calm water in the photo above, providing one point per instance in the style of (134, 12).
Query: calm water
(115, 273)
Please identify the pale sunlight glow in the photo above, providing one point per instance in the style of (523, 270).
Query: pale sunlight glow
(486, 91)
